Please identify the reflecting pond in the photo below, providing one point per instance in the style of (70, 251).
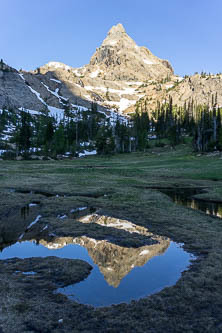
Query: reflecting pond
(119, 274)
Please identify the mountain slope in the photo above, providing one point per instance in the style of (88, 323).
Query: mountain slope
(197, 89)
(14, 93)
(112, 78)
(120, 74)
(119, 58)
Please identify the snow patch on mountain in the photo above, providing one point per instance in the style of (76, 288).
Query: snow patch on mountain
(56, 64)
(34, 222)
(32, 112)
(55, 93)
(76, 72)
(88, 97)
(21, 76)
(112, 42)
(79, 108)
(79, 71)
(148, 62)
(123, 104)
(144, 252)
(133, 82)
(58, 81)
(33, 91)
(37, 95)
(58, 114)
(95, 73)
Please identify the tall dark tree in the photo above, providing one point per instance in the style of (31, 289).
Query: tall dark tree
(24, 133)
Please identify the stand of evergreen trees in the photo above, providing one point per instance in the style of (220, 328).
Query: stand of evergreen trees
(43, 134)
(201, 122)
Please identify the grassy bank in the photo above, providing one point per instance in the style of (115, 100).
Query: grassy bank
(120, 186)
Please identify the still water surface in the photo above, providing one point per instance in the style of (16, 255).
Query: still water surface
(158, 272)
(185, 197)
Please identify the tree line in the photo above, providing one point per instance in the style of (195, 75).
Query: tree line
(43, 134)
(201, 122)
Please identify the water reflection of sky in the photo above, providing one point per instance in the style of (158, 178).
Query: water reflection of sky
(160, 271)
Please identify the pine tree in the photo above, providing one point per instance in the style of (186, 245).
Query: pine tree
(48, 136)
(104, 141)
(59, 141)
(24, 133)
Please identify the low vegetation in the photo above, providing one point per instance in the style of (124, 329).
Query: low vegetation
(128, 180)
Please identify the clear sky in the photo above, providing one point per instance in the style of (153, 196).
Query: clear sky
(186, 32)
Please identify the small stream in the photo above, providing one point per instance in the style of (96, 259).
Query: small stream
(185, 197)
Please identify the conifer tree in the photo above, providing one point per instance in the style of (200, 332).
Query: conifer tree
(24, 133)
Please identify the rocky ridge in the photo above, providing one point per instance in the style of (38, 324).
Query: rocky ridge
(120, 59)
(119, 74)
(115, 73)
(112, 78)
(197, 89)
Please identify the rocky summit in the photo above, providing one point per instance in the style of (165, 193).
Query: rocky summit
(120, 59)
(115, 73)
(119, 74)
(112, 79)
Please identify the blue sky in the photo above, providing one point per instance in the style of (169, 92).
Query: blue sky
(186, 32)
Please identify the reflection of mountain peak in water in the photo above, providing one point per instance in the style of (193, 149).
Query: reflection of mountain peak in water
(114, 261)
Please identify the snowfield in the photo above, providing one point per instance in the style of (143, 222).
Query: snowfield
(56, 80)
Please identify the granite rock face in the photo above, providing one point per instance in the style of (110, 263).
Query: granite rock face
(112, 78)
(119, 58)
(196, 89)
(119, 74)
(15, 93)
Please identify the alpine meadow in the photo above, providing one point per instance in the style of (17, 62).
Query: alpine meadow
(110, 180)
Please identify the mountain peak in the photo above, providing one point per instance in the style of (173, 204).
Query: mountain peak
(120, 58)
(117, 29)
(117, 33)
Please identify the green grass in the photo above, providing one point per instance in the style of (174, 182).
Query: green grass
(194, 303)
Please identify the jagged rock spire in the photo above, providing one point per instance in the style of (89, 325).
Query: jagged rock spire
(117, 29)
(117, 34)
(121, 59)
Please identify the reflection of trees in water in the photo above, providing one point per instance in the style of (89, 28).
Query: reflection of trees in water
(183, 198)
(209, 208)
(219, 213)
(25, 211)
(214, 209)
